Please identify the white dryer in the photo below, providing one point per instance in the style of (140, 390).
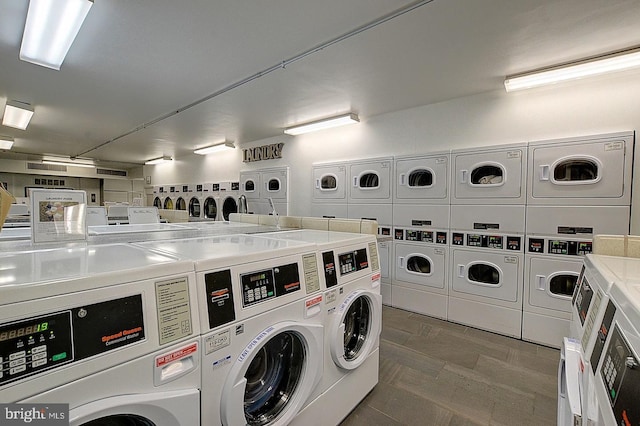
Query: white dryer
(370, 181)
(558, 237)
(615, 359)
(210, 201)
(258, 186)
(351, 277)
(421, 260)
(227, 199)
(111, 330)
(487, 261)
(329, 190)
(263, 326)
(422, 179)
(489, 175)
(592, 170)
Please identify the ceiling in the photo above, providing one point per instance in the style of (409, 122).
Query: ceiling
(151, 78)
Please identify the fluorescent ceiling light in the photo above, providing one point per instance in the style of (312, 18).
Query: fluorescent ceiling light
(51, 27)
(327, 123)
(17, 115)
(158, 161)
(72, 163)
(223, 146)
(600, 65)
(6, 142)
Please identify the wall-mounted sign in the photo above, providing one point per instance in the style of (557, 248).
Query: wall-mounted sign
(264, 152)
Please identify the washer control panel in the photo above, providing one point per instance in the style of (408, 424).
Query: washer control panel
(269, 283)
(488, 241)
(418, 235)
(561, 247)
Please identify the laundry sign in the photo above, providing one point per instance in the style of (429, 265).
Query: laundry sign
(264, 152)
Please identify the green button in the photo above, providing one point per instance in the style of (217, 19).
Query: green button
(60, 356)
(613, 393)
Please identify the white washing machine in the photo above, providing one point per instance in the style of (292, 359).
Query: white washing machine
(157, 200)
(421, 260)
(422, 179)
(370, 181)
(329, 190)
(487, 262)
(262, 313)
(557, 239)
(616, 356)
(592, 170)
(169, 198)
(227, 199)
(351, 277)
(181, 197)
(111, 330)
(489, 175)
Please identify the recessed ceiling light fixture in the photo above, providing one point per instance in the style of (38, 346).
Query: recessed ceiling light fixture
(17, 114)
(618, 61)
(50, 29)
(222, 146)
(6, 142)
(160, 160)
(326, 123)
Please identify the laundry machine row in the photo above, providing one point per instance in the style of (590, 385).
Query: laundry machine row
(266, 190)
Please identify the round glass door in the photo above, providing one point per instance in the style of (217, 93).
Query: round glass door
(194, 207)
(562, 285)
(328, 182)
(272, 377)
(273, 185)
(168, 203)
(487, 174)
(120, 420)
(483, 273)
(229, 206)
(157, 202)
(576, 170)
(420, 178)
(357, 327)
(181, 204)
(210, 208)
(418, 265)
(369, 180)
(249, 186)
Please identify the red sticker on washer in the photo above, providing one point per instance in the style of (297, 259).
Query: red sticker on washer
(376, 277)
(175, 355)
(315, 301)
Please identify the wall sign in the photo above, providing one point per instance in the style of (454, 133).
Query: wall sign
(264, 152)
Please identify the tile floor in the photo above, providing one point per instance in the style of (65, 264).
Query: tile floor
(433, 372)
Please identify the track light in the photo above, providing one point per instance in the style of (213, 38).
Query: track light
(6, 142)
(17, 114)
(222, 146)
(326, 123)
(50, 29)
(160, 160)
(600, 65)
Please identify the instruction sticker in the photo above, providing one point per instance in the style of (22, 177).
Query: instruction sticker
(373, 250)
(217, 341)
(174, 310)
(311, 277)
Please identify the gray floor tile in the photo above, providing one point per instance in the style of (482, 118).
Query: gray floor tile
(402, 355)
(521, 378)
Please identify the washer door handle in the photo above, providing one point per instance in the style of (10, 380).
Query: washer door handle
(542, 282)
(463, 176)
(461, 271)
(544, 172)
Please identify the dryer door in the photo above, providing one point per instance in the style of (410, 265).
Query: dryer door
(551, 282)
(488, 274)
(329, 182)
(251, 185)
(579, 171)
(274, 375)
(355, 328)
(422, 179)
(174, 408)
(275, 184)
(210, 208)
(488, 174)
(370, 181)
(423, 265)
(194, 207)
(229, 205)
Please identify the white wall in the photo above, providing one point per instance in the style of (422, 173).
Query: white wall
(601, 105)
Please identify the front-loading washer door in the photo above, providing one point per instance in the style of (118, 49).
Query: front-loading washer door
(168, 204)
(194, 207)
(229, 206)
(171, 408)
(157, 202)
(355, 328)
(487, 274)
(423, 265)
(210, 208)
(551, 282)
(273, 376)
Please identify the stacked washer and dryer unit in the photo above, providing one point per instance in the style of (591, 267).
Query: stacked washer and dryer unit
(487, 237)
(578, 188)
(421, 228)
(264, 187)
(110, 330)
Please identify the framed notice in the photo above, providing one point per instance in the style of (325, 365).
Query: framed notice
(58, 215)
